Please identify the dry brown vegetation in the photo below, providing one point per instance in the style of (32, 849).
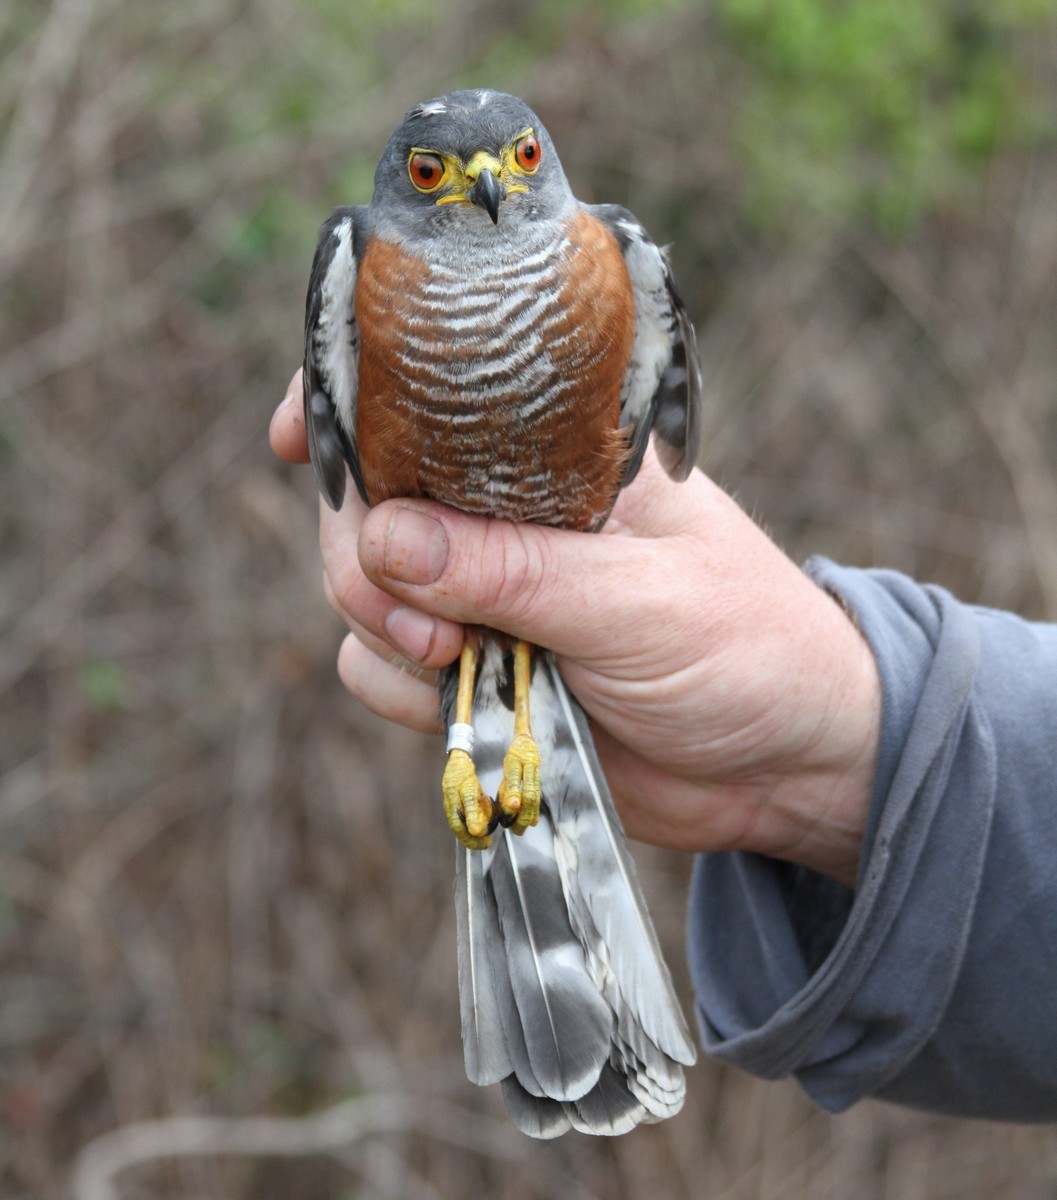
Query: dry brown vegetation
(226, 940)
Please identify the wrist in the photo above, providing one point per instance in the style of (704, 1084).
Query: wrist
(821, 804)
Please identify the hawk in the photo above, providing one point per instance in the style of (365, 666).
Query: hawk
(478, 336)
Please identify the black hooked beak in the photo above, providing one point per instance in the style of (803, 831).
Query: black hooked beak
(487, 192)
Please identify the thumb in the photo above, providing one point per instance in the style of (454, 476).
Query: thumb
(553, 587)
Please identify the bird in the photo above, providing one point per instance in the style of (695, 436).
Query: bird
(478, 336)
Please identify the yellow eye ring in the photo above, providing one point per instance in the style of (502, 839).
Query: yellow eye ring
(426, 171)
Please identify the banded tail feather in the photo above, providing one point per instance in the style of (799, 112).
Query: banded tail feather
(564, 994)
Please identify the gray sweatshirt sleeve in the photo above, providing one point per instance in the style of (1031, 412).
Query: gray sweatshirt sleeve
(934, 983)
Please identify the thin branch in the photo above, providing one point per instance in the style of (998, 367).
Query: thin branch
(202, 462)
(328, 1131)
(331, 1131)
(53, 63)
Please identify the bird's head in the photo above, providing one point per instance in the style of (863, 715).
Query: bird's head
(471, 155)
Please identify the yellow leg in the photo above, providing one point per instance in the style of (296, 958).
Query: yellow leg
(519, 793)
(467, 807)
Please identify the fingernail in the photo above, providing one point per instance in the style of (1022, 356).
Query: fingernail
(416, 547)
(411, 632)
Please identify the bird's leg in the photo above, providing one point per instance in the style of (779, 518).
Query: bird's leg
(467, 807)
(519, 793)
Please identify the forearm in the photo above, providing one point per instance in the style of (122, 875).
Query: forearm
(931, 983)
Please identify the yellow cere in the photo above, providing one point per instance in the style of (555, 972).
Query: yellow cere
(459, 177)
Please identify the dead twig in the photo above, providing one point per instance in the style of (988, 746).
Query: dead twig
(331, 1131)
(328, 1131)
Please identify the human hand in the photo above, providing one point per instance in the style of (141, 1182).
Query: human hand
(734, 705)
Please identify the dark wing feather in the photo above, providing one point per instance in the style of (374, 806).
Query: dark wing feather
(332, 354)
(662, 389)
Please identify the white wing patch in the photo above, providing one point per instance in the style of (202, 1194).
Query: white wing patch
(654, 322)
(334, 340)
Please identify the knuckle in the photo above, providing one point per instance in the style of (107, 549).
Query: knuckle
(353, 594)
(347, 590)
(331, 596)
(340, 599)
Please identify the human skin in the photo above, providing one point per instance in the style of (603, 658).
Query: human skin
(734, 704)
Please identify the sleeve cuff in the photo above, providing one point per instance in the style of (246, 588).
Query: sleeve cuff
(796, 975)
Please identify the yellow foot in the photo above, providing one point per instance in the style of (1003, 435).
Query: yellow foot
(519, 793)
(466, 805)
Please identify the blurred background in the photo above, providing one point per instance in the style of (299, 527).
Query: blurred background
(226, 937)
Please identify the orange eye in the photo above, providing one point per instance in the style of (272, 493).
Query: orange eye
(527, 154)
(426, 171)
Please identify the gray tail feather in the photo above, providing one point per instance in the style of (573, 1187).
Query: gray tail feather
(534, 1115)
(565, 996)
(488, 1059)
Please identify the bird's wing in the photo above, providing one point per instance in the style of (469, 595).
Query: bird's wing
(662, 389)
(332, 354)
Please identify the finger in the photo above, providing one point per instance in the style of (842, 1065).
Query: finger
(422, 637)
(385, 651)
(549, 586)
(286, 433)
(387, 690)
(569, 591)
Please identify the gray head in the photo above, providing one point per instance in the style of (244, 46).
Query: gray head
(475, 161)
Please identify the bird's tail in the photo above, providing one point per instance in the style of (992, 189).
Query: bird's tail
(566, 1000)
